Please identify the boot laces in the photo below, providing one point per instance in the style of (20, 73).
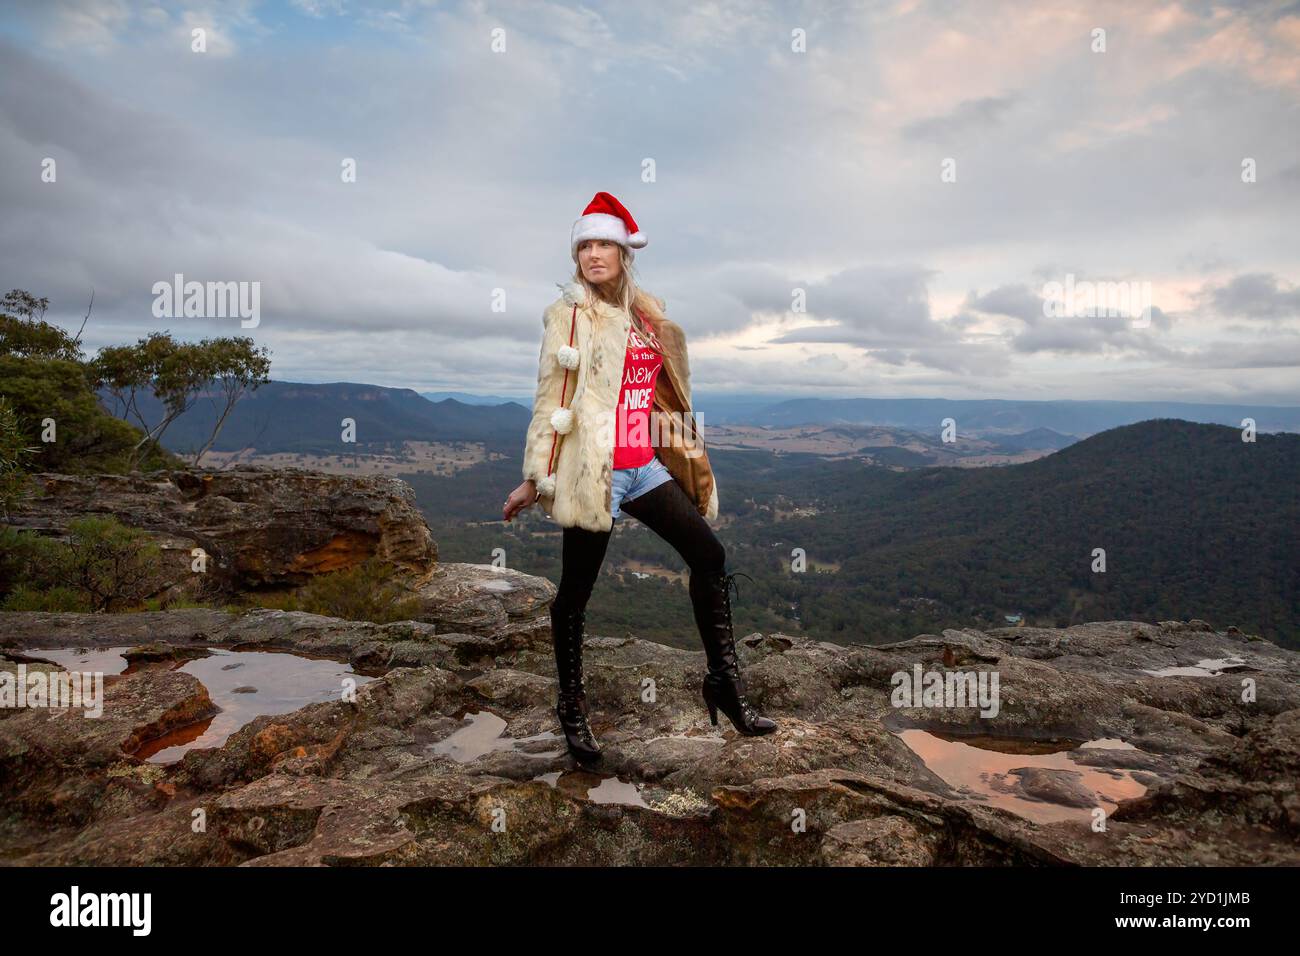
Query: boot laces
(574, 637)
(729, 584)
(573, 712)
(573, 695)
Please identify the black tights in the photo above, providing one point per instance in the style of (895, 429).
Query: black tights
(668, 512)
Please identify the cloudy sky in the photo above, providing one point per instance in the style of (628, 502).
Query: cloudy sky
(841, 199)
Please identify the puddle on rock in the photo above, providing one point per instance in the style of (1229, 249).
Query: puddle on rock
(1210, 667)
(483, 735)
(614, 790)
(595, 787)
(107, 660)
(982, 768)
(244, 684)
(499, 584)
(1010, 745)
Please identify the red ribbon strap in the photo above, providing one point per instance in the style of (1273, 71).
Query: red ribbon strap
(564, 388)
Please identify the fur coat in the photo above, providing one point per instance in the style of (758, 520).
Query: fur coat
(579, 444)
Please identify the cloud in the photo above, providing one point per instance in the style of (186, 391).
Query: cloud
(105, 26)
(970, 116)
(772, 171)
(1254, 295)
(873, 306)
(1275, 353)
(1095, 335)
(826, 363)
(318, 8)
(1108, 331)
(1017, 301)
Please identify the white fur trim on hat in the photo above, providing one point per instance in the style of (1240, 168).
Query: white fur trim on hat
(562, 420)
(567, 356)
(602, 225)
(546, 487)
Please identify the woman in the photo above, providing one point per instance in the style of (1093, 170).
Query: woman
(612, 432)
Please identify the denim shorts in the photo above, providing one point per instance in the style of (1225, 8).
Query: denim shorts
(632, 483)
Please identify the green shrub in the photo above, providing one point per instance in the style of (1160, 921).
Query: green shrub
(16, 549)
(172, 604)
(108, 565)
(367, 592)
(24, 598)
(15, 456)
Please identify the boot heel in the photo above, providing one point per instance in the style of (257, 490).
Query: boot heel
(723, 686)
(578, 736)
(567, 629)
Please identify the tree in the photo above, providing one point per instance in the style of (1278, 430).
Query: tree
(14, 456)
(162, 365)
(177, 373)
(25, 333)
(238, 367)
(44, 379)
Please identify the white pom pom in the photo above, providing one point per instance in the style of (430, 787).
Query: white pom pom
(562, 420)
(637, 240)
(546, 487)
(574, 294)
(567, 356)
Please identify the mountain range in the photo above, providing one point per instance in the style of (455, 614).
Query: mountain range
(294, 417)
(297, 417)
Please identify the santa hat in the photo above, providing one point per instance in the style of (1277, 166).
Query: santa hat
(606, 218)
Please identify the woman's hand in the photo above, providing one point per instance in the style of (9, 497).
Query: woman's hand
(522, 497)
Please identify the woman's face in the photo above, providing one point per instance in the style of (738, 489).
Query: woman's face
(600, 260)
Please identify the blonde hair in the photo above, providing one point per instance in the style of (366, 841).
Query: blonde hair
(628, 295)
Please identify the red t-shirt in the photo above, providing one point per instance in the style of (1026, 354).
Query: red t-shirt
(641, 367)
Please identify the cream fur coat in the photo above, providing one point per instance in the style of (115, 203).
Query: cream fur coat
(579, 444)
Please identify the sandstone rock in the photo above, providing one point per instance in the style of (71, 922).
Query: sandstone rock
(259, 527)
(1063, 787)
(158, 652)
(880, 841)
(55, 763)
(375, 780)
